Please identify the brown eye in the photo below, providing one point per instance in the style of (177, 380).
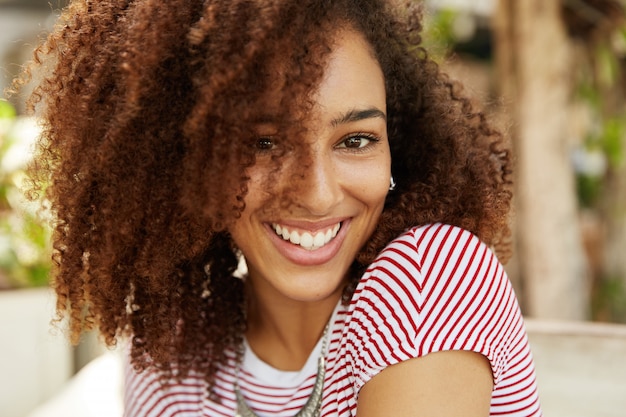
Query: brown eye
(354, 142)
(265, 144)
(357, 142)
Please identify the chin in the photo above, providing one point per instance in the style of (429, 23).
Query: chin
(308, 294)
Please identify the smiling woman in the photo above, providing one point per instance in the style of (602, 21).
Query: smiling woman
(301, 249)
(313, 142)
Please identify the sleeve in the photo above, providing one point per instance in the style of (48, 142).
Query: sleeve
(141, 391)
(434, 288)
(145, 395)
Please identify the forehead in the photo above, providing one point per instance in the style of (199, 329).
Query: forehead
(351, 79)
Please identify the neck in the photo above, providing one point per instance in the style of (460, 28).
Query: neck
(283, 334)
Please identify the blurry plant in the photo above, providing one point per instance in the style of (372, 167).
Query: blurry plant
(602, 89)
(600, 161)
(609, 300)
(24, 236)
(439, 33)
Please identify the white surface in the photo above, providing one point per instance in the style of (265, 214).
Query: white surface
(581, 368)
(96, 391)
(34, 361)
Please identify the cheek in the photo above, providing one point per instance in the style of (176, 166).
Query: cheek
(376, 177)
(377, 192)
(253, 200)
(258, 188)
(370, 184)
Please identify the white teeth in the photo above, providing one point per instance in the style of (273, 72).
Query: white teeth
(319, 240)
(307, 240)
(294, 237)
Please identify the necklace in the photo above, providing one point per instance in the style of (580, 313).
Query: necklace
(313, 406)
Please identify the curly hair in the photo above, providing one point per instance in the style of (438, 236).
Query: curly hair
(148, 111)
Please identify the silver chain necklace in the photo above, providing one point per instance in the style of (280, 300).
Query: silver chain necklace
(313, 406)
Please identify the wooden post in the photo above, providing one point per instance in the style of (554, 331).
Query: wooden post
(533, 60)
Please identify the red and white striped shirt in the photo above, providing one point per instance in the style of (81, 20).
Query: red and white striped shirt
(434, 288)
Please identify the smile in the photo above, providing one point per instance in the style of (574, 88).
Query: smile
(309, 241)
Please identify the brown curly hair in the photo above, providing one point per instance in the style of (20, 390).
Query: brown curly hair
(148, 110)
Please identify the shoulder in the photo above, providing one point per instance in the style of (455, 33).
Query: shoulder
(428, 256)
(434, 288)
(440, 245)
(411, 272)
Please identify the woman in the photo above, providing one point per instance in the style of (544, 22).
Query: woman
(284, 206)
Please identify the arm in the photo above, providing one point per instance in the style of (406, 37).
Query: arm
(440, 384)
(438, 292)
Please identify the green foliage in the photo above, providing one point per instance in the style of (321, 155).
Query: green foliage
(7, 112)
(439, 37)
(609, 300)
(607, 140)
(611, 141)
(24, 235)
(589, 189)
(609, 124)
(601, 89)
(601, 83)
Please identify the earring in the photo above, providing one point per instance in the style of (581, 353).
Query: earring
(392, 184)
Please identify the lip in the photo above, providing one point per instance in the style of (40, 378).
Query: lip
(304, 257)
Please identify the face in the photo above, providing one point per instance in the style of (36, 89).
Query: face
(301, 251)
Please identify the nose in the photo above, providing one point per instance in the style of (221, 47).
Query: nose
(320, 189)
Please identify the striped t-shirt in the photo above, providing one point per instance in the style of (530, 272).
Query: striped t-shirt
(434, 288)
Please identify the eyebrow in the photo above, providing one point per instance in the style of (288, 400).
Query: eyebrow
(355, 115)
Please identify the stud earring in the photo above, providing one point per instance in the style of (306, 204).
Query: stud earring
(392, 184)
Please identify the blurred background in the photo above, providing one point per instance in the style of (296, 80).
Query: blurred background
(551, 73)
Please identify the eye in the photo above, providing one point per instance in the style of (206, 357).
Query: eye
(265, 144)
(357, 141)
